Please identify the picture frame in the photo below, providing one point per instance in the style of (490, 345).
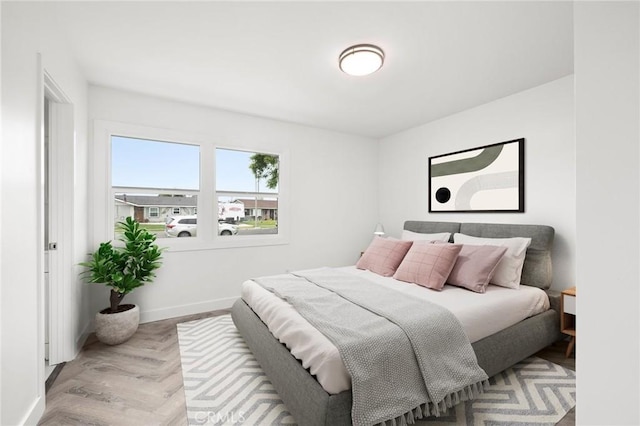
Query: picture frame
(486, 179)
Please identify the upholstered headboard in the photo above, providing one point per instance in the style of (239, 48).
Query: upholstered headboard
(537, 270)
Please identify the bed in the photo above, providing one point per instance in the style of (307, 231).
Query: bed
(311, 404)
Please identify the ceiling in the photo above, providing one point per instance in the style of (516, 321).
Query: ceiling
(279, 59)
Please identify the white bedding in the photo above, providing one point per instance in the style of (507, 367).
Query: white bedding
(480, 315)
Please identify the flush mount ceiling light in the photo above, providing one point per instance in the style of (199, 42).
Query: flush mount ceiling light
(361, 59)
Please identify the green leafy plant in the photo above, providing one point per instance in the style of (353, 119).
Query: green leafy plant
(265, 166)
(124, 268)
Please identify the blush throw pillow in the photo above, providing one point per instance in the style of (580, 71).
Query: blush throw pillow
(384, 255)
(417, 236)
(428, 264)
(509, 269)
(475, 266)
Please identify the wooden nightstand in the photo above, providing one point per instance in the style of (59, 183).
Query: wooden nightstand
(568, 317)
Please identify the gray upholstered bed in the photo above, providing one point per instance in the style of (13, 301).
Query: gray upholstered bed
(310, 404)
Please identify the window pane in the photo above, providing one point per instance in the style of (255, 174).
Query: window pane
(259, 215)
(235, 171)
(155, 211)
(144, 163)
(247, 192)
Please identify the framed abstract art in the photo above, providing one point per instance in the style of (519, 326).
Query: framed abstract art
(485, 179)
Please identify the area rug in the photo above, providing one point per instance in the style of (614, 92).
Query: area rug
(224, 385)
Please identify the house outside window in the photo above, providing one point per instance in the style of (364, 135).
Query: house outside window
(154, 212)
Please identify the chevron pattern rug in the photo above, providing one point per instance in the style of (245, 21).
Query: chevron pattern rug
(224, 385)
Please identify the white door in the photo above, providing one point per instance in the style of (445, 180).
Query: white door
(57, 167)
(47, 299)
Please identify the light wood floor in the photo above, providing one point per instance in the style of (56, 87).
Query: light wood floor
(140, 381)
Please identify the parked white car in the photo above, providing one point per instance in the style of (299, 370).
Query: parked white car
(187, 226)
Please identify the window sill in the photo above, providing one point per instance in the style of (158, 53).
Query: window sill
(196, 244)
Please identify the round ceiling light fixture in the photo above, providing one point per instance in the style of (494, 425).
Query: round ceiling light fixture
(361, 59)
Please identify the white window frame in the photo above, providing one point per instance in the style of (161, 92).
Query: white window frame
(154, 209)
(173, 210)
(103, 206)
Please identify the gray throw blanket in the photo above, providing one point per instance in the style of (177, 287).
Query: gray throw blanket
(407, 358)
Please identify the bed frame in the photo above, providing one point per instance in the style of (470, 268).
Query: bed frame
(311, 405)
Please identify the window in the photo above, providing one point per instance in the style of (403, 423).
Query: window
(247, 190)
(141, 187)
(160, 176)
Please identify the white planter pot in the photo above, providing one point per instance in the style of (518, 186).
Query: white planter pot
(113, 329)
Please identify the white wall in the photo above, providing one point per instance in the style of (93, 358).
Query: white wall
(544, 116)
(25, 33)
(607, 72)
(333, 202)
(1, 281)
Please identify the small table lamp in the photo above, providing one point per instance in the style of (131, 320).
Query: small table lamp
(379, 230)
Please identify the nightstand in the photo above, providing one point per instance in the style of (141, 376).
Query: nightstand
(568, 317)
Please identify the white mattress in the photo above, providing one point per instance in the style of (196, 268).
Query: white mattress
(480, 315)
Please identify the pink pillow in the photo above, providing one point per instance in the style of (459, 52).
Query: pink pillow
(383, 255)
(475, 267)
(428, 264)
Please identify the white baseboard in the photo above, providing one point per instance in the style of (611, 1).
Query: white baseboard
(82, 338)
(190, 309)
(166, 313)
(32, 417)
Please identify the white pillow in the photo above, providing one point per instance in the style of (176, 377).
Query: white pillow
(417, 236)
(509, 270)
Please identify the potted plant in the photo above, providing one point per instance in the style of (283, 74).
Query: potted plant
(123, 269)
